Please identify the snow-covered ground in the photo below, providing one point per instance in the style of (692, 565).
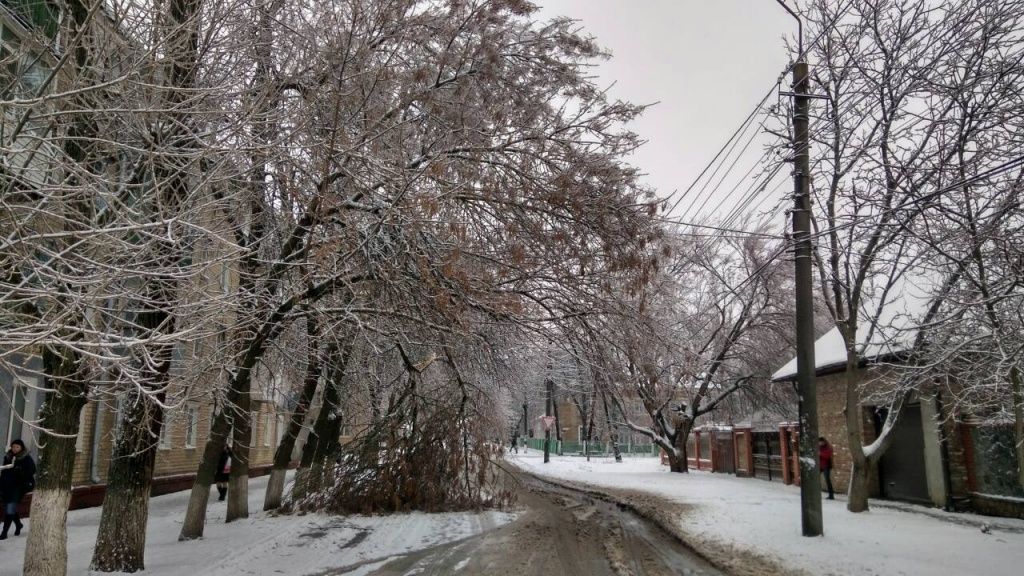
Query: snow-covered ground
(265, 544)
(723, 512)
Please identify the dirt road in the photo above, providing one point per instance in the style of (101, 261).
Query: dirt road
(560, 533)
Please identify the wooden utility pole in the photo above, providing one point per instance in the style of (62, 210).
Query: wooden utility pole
(810, 480)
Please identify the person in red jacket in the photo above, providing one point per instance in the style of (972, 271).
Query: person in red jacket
(825, 461)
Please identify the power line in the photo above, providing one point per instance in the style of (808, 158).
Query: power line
(740, 129)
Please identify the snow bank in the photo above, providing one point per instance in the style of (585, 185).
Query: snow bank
(264, 544)
(764, 518)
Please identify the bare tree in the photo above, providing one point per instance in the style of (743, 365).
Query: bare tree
(684, 354)
(895, 75)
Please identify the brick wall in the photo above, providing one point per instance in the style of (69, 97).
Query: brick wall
(176, 458)
(832, 425)
(957, 459)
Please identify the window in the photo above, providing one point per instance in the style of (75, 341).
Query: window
(40, 15)
(191, 425)
(268, 429)
(80, 439)
(165, 433)
(177, 359)
(225, 279)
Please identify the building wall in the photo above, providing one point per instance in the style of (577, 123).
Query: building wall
(569, 421)
(832, 425)
(174, 457)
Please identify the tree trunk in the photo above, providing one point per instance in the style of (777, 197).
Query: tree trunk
(558, 422)
(323, 440)
(682, 434)
(677, 461)
(612, 435)
(283, 454)
(46, 551)
(857, 498)
(547, 412)
(328, 429)
(860, 476)
(195, 514)
(121, 540)
(241, 444)
(590, 427)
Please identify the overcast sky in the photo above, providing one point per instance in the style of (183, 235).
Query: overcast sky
(707, 63)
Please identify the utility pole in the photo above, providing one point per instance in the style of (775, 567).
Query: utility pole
(547, 414)
(810, 479)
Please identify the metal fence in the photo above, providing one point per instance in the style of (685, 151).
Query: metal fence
(596, 448)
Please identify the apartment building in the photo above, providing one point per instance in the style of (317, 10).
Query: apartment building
(28, 30)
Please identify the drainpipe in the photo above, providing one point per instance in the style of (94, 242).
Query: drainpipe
(94, 461)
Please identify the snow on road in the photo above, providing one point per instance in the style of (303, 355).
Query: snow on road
(265, 544)
(724, 512)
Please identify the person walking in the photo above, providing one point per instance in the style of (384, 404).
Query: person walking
(223, 472)
(825, 461)
(17, 478)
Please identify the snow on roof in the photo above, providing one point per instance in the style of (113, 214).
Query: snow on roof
(905, 303)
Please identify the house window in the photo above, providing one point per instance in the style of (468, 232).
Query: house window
(80, 439)
(268, 429)
(165, 433)
(191, 425)
(225, 279)
(23, 401)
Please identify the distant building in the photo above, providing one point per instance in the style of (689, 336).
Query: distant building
(27, 31)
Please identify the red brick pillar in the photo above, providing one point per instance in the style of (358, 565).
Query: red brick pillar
(795, 433)
(787, 472)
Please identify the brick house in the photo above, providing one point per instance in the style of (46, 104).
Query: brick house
(937, 457)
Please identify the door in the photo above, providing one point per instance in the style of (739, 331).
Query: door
(901, 469)
(726, 461)
(767, 456)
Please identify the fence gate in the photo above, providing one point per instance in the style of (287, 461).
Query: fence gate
(767, 456)
(726, 460)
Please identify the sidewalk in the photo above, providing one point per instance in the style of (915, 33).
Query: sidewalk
(264, 543)
(723, 516)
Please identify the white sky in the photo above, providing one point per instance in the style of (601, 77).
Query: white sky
(708, 63)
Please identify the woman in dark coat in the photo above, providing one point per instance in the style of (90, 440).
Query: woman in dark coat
(223, 472)
(17, 478)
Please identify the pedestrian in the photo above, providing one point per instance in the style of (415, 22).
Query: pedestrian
(515, 443)
(223, 472)
(17, 478)
(825, 461)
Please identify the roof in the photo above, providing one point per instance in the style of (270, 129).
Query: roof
(895, 325)
(830, 355)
